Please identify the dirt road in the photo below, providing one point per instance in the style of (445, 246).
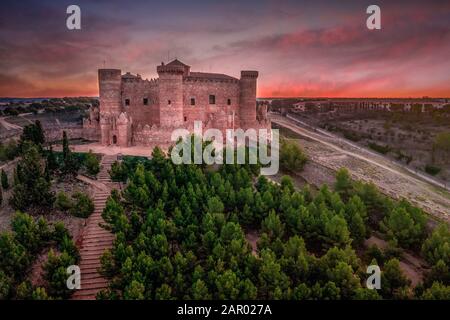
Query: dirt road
(392, 180)
(7, 125)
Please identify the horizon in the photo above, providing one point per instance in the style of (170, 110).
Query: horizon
(301, 49)
(293, 97)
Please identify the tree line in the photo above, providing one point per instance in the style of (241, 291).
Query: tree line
(181, 234)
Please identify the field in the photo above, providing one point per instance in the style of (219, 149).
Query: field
(405, 137)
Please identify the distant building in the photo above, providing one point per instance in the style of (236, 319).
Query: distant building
(351, 105)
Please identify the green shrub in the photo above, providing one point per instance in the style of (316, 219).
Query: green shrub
(379, 148)
(28, 233)
(24, 290)
(433, 170)
(68, 245)
(40, 294)
(442, 142)
(5, 286)
(353, 136)
(31, 187)
(292, 157)
(63, 202)
(55, 273)
(4, 180)
(437, 291)
(118, 172)
(405, 224)
(14, 257)
(437, 246)
(8, 151)
(83, 206)
(59, 232)
(92, 164)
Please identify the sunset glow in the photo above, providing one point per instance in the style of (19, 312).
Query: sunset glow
(300, 48)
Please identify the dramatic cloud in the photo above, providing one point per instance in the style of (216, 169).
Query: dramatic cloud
(309, 48)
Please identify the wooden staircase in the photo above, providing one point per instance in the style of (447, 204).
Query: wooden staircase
(95, 239)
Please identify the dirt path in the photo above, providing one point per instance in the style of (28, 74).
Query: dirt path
(391, 180)
(96, 147)
(252, 238)
(95, 239)
(411, 266)
(9, 126)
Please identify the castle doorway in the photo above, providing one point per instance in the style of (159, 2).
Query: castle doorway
(114, 139)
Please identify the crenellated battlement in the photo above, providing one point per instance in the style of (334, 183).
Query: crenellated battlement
(170, 69)
(188, 79)
(249, 74)
(137, 111)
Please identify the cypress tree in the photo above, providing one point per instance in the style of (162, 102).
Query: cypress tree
(4, 178)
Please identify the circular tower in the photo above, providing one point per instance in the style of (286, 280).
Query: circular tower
(247, 98)
(109, 83)
(171, 94)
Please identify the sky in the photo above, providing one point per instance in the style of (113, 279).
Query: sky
(300, 48)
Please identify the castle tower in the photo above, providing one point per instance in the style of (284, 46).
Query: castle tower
(109, 82)
(171, 93)
(247, 98)
(105, 129)
(123, 125)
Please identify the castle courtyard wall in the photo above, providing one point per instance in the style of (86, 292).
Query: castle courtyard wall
(200, 90)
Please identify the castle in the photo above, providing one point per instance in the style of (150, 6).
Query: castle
(134, 111)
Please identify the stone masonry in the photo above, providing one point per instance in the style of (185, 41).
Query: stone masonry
(134, 111)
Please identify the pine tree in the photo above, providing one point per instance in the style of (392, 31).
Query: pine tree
(33, 133)
(200, 291)
(52, 164)
(392, 278)
(272, 226)
(343, 184)
(4, 180)
(70, 167)
(31, 189)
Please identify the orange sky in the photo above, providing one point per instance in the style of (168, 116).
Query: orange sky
(309, 49)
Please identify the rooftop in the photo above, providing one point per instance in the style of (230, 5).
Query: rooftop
(209, 76)
(177, 62)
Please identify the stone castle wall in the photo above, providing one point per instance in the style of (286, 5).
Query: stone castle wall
(56, 134)
(136, 90)
(134, 111)
(224, 91)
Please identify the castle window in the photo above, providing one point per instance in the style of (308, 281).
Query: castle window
(212, 99)
(192, 101)
(185, 119)
(169, 102)
(127, 102)
(145, 101)
(229, 102)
